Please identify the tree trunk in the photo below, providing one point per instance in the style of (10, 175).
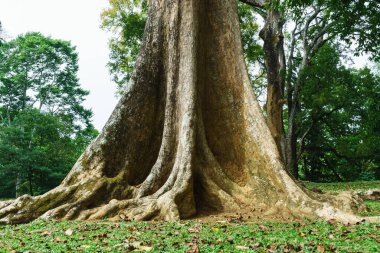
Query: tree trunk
(187, 137)
(273, 38)
(291, 149)
(17, 184)
(293, 110)
(30, 182)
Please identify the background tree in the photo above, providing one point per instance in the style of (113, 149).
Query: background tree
(125, 19)
(40, 149)
(314, 23)
(41, 72)
(1, 33)
(338, 119)
(44, 125)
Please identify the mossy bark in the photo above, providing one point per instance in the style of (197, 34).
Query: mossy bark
(188, 135)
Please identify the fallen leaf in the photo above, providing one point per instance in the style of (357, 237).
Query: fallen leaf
(263, 227)
(271, 248)
(144, 248)
(257, 245)
(220, 240)
(85, 246)
(45, 233)
(58, 239)
(193, 230)
(69, 232)
(194, 249)
(139, 246)
(321, 248)
(239, 247)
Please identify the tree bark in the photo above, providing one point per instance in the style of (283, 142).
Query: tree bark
(17, 184)
(30, 183)
(291, 147)
(274, 55)
(187, 137)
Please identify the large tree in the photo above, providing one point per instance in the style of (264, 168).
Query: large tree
(41, 72)
(37, 151)
(188, 135)
(40, 110)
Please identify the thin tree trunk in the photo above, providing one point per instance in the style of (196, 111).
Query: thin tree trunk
(30, 171)
(30, 181)
(273, 38)
(17, 185)
(291, 150)
(24, 92)
(187, 137)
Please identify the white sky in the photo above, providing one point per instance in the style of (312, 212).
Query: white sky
(77, 21)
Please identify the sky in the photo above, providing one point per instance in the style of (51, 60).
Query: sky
(79, 22)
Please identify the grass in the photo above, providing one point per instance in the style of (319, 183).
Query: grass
(194, 236)
(190, 236)
(344, 186)
(373, 207)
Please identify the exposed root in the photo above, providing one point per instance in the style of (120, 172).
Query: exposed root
(27, 208)
(176, 204)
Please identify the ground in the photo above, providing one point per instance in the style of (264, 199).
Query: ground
(228, 234)
(345, 186)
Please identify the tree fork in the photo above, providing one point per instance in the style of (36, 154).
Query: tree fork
(187, 136)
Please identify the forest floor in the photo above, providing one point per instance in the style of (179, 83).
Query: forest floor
(226, 235)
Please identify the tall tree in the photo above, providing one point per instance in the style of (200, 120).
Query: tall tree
(314, 23)
(126, 20)
(39, 87)
(338, 120)
(1, 33)
(38, 149)
(41, 72)
(187, 136)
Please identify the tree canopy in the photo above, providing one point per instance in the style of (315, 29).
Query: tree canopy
(43, 125)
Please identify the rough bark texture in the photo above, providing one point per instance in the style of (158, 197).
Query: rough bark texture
(187, 137)
(273, 38)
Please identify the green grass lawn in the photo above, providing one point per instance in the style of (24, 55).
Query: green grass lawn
(373, 208)
(345, 186)
(195, 236)
(190, 236)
